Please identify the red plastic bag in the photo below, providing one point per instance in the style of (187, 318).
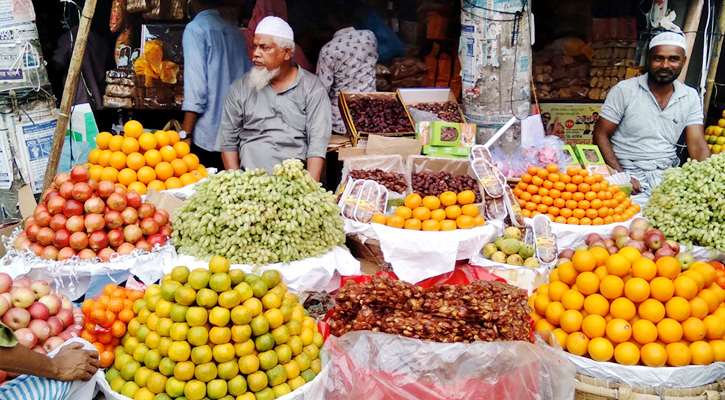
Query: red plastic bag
(462, 275)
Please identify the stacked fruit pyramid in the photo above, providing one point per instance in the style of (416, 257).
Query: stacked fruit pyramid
(446, 212)
(572, 197)
(633, 310)
(714, 136)
(139, 160)
(215, 333)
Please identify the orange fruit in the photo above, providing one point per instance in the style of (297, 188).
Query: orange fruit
(93, 155)
(653, 355)
(464, 222)
(644, 331)
(584, 261)
(132, 129)
(139, 187)
(695, 276)
(448, 225)
(117, 160)
(413, 224)
(644, 268)
(179, 166)
(567, 273)
(678, 354)
(678, 308)
(448, 199)
(438, 215)
(668, 267)
(702, 353)
(413, 201)
(694, 329)
(556, 290)
(594, 326)
(115, 143)
(181, 148)
(395, 221)
(637, 290)
(379, 218)
(404, 212)
(470, 209)
(135, 161)
(560, 336)
(126, 315)
(600, 349)
(126, 176)
(685, 287)
(95, 171)
(187, 179)
(587, 283)
(129, 145)
(710, 298)
(669, 330)
(168, 153)
(630, 253)
(577, 343)
(651, 310)
(432, 202)
(453, 212)
(596, 304)
(431, 225)
(618, 264)
(611, 287)
(162, 138)
(164, 170)
(146, 174)
(192, 161)
(152, 157)
(718, 349)
(553, 312)
(571, 321)
(601, 272)
(661, 288)
(466, 197)
(109, 174)
(173, 137)
(699, 308)
(147, 141)
(626, 353)
(104, 158)
(618, 330)
(478, 220)
(102, 140)
(706, 270)
(622, 308)
(600, 255)
(543, 325)
(421, 213)
(572, 300)
(541, 302)
(175, 183)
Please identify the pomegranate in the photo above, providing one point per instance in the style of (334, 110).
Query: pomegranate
(29, 221)
(45, 236)
(113, 220)
(105, 254)
(149, 226)
(67, 190)
(32, 232)
(36, 248)
(94, 205)
(43, 218)
(58, 221)
(72, 207)
(78, 241)
(133, 199)
(131, 233)
(49, 253)
(49, 194)
(146, 210)
(129, 215)
(82, 191)
(87, 254)
(75, 223)
(144, 245)
(98, 240)
(66, 253)
(125, 248)
(55, 205)
(115, 237)
(164, 212)
(106, 188)
(94, 222)
(165, 231)
(61, 178)
(116, 202)
(79, 173)
(160, 218)
(21, 242)
(61, 239)
(157, 239)
(120, 190)
(94, 185)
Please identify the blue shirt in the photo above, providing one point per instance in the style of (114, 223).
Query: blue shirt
(215, 54)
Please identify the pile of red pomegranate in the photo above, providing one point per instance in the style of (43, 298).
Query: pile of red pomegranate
(41, 319)
(88, 219)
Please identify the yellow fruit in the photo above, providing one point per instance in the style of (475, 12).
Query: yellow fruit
(695, 276)
(541, 303)
(678, 354)
(453, 212)
(181, 148)
(178, 166)
(571, 321)
(156, 185)
(600, 349)
(162, 138)
(694, 329)
(622, 308)
(611, 287)
(702, 353)
(644, 268)
(109, 174)
(718, 349)
(126, 176)
(466, 197)
(139, 187)
(653, 355)
(596, 304)
(587, 282)
(192, 161)
(173, 137)
(117, 160)
(129, 145)
(132, 129)
(651, 310)
(669, 330)
(637, 290)
(715, 327)
(102, 140)
(95, 171)
(644, 331)
(553, 312)
(556, 290)
(179, 351)
(567, 273)
(618, 330)
(677, 308)
(594, 326)
(618, 264)
(168, 153)
(448, 199)
(572, 300)
(104, 158)
(164, 171)
(152, 157)
(430, 225)
(600, 255)
(135, 161)
(432, 202)
(584, 261)
(146, 174)
(710, 298)
(662, 288)
(626, 353)
(685, 287)
(187, 179)
(543, 325)
(631, 254)
(577, 343)
(147, 141)
(115, 143)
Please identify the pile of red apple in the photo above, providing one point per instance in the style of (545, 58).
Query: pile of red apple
(88, 219)
(642, 236)
(41, 319)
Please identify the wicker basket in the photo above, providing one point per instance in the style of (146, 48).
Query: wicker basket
(588, 388)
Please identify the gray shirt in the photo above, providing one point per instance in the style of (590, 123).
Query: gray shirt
(644, 131)
(267, 128)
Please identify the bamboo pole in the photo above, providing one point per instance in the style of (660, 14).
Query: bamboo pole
(69, 91)
(691, 24)
(715, 57)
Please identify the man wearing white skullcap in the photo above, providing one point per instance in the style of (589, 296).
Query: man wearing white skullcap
(277, 110)
(643, 118)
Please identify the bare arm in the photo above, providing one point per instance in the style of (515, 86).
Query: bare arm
(230, 160)
(70, 364)
(314, 167)
(603, 131)
(696, 144)
(189, 123)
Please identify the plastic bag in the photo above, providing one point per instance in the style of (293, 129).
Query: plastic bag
(378, 366)
(389, 46)
(545, 152)
(118, 15)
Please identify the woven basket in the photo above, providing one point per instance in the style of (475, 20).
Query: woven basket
(588, 388)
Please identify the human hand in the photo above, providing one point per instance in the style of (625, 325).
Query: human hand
(636, 187)
(74, 363)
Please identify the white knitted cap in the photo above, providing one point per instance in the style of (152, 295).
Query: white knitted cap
(275, 26)
(668, 38)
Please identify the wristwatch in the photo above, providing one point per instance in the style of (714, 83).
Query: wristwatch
(184, 135)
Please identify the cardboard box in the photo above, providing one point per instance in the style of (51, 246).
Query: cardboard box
(345, 98)
(412, 96)
(446, 151)
(383, 145)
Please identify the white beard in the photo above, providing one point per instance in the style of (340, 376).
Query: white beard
(259, 77)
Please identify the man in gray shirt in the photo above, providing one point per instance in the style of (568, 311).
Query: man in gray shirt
(277, 110)
(642, 119)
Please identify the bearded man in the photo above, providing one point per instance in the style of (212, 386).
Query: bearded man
(277, 110)
(643, 118)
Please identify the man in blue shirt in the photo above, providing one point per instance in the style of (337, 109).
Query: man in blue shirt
(215, 54)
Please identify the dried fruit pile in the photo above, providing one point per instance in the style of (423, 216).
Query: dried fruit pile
(393, 181)
(447, 111)
(632, 310)
(484, 310)
(379, 116)
(434, 184)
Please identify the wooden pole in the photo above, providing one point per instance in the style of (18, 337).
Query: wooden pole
(715, 55)
(69, 91)
(691, 24)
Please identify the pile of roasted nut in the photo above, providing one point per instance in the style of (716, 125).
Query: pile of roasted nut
(379, 116)
(484, 310)
(447, 111)
(393, 181)
(433, 184)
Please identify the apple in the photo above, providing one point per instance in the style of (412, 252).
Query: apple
(40, 349)
(26, 337)
(619, 231)
(675, 245)
(561, 261)
(133, 199)
(65, 303)
(56, 326)
(568, 253)
(72, 207)
(79, 173)
(52, 343)
(113, 219)
(597, 243)
(79, 318)
(67, 335)
(637, 244)
(622, 241)
(637, 234)
(22, 282)
(57, 222)
(106, 188)
(640, 223)
(66, 190)
(654, 239)
(116, 202)
(98, 240)
(592, 237)
(609, 243)
(22, 297)
(613, 250)
(685, 260)
(66, 317)
(40, 288)
(40, 328)
(663, 252)
(4, 305)
(6, 282)
(39, 311)
(51, 301)
(16, 318)
(82, 191)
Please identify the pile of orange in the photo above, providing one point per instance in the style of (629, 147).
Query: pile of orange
(629, 309)
(141, 160)
(447, 212)
(573, 197)
(106, 319)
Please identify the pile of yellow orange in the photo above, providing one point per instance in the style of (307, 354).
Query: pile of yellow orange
(447, 212)
(141, 160)
(573, 197)
(631, 310)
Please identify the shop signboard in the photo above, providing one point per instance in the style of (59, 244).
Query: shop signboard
(572, 122)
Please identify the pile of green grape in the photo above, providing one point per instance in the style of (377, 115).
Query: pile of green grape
(255, 218)
(689, 205)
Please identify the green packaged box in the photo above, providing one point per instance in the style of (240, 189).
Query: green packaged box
(446, 151)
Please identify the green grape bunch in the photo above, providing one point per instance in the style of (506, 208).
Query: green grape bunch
(689, 204)
(255, 218)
